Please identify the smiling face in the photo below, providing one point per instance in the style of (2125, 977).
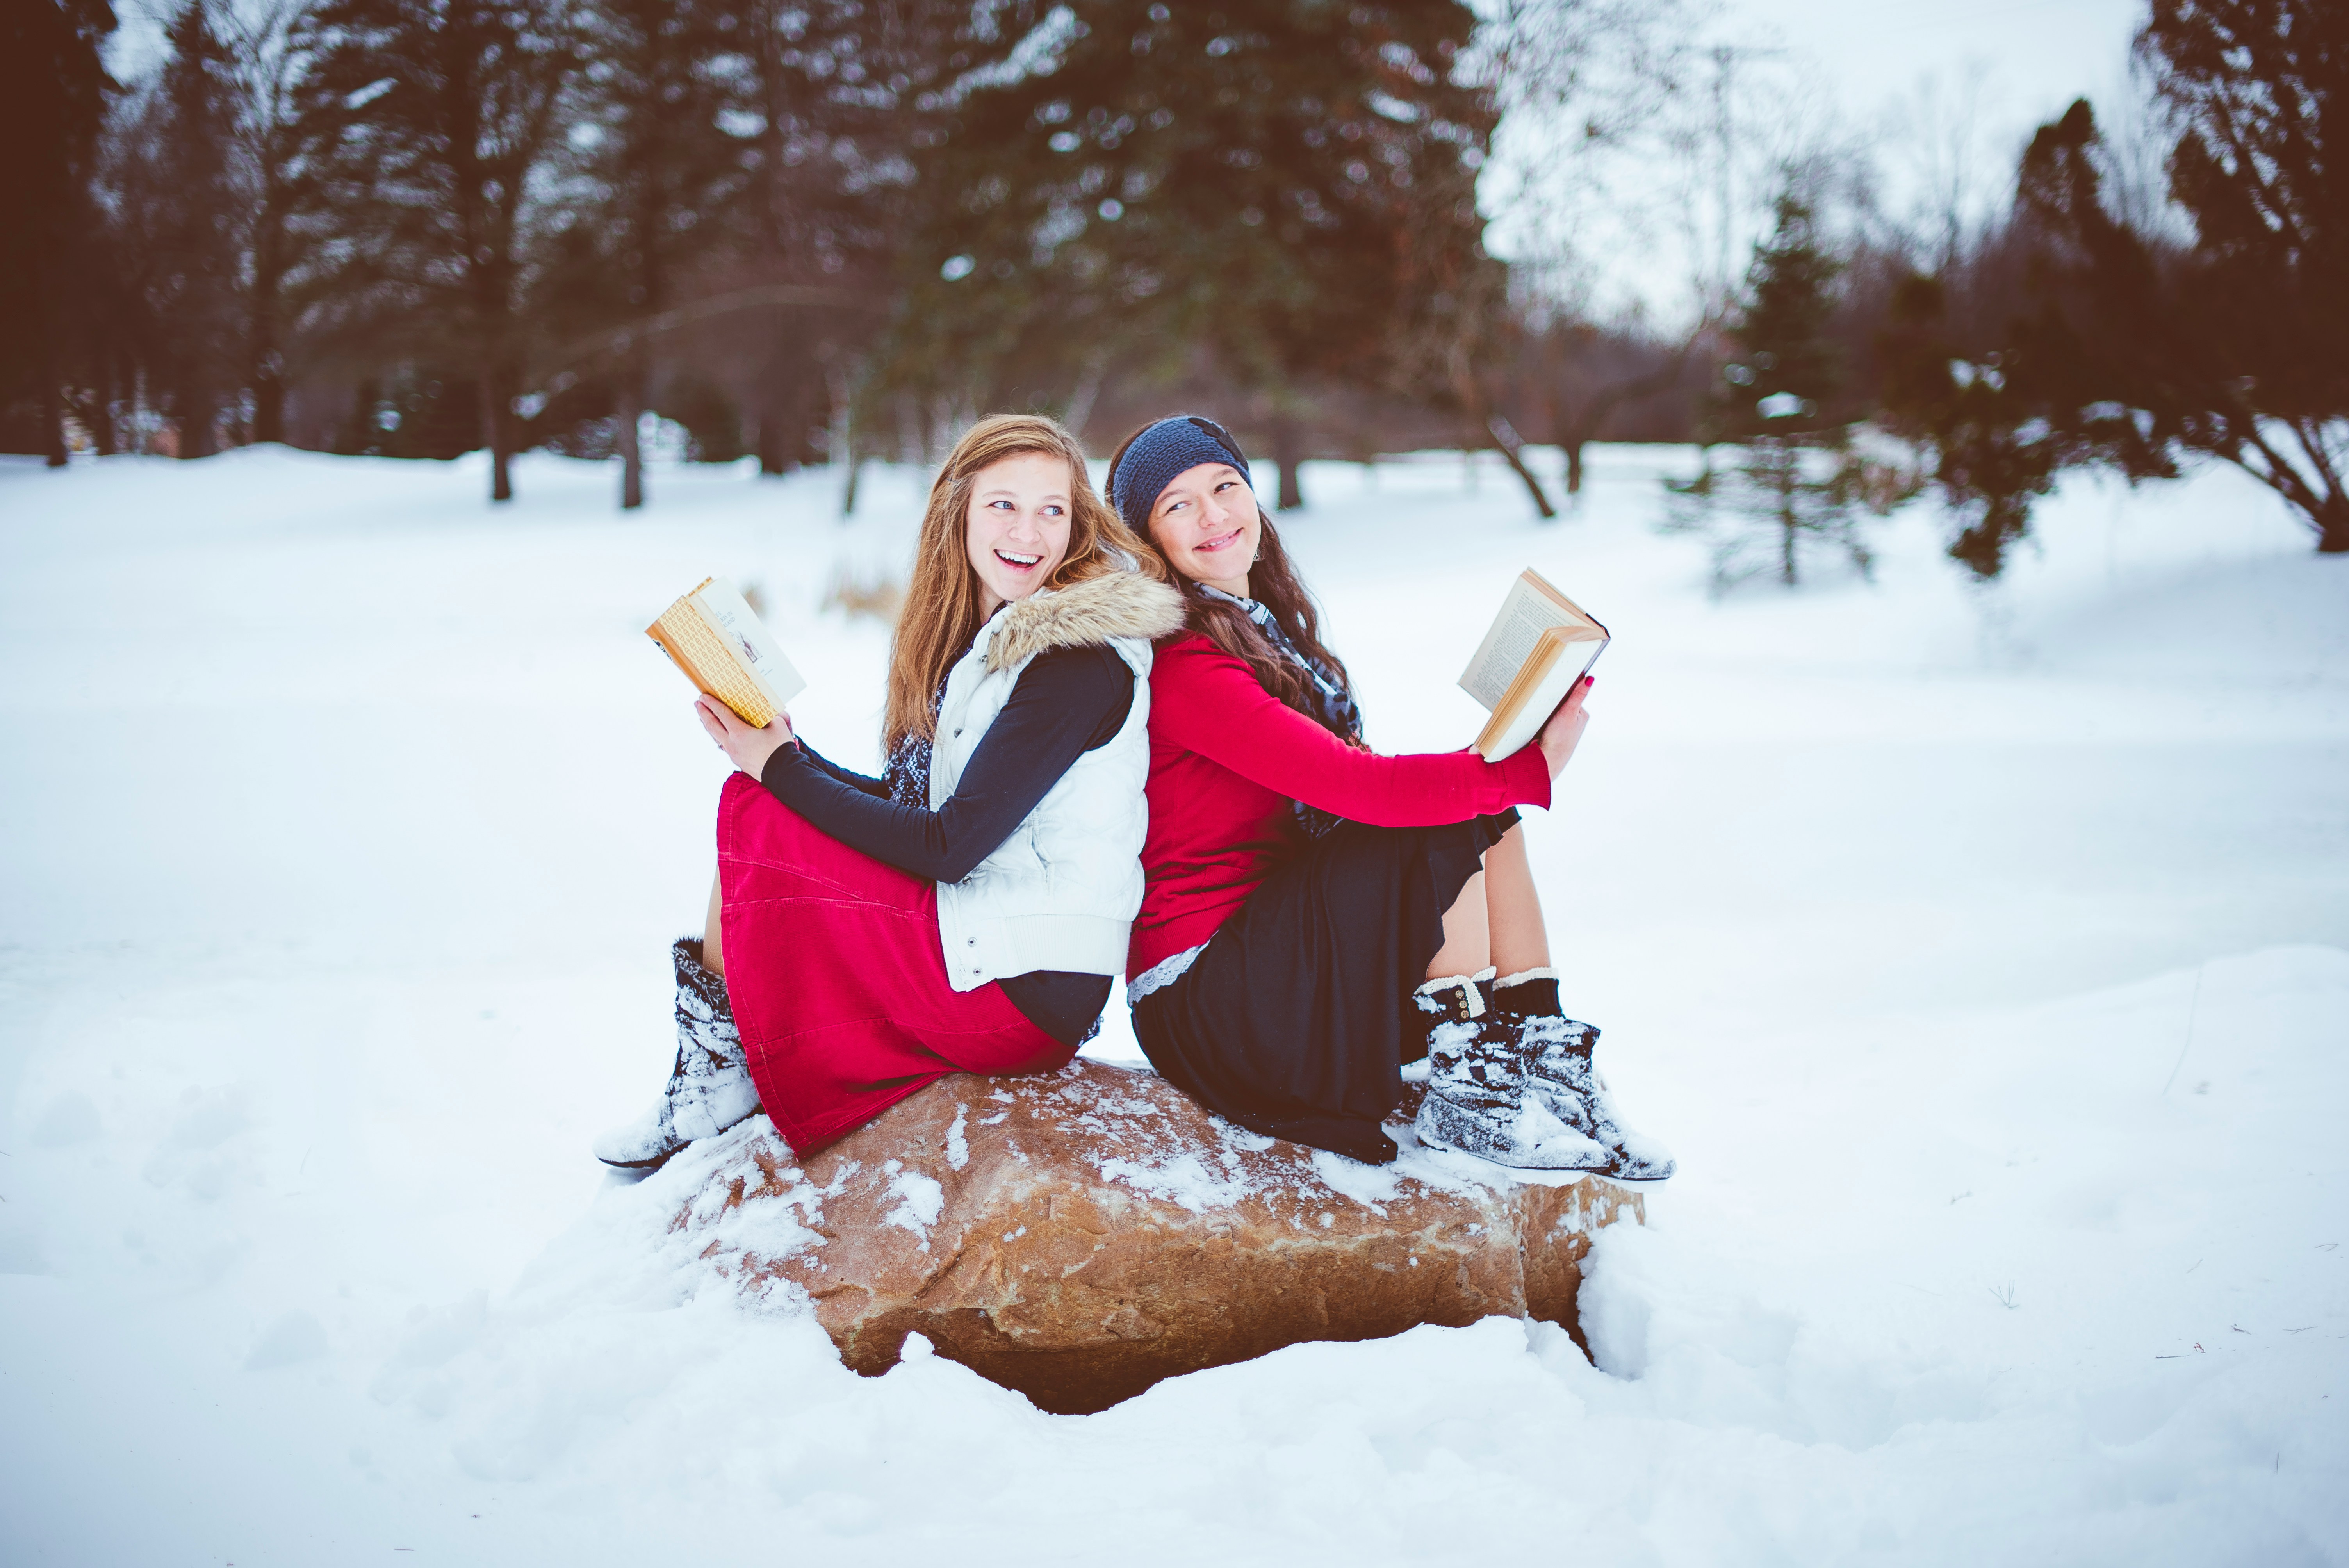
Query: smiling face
(1206, 524)
(1018, 530)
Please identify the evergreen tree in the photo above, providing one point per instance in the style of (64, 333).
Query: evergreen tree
(425, 123)
(661, 170)
(1283, 189)
(183, 215)
(1788, 369)
(835, 98)
(280, 196)
(2236, 348)
(53, 91)
(2132, 350)
(1797, 482)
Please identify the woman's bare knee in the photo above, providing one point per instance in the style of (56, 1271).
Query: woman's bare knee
(713, 951)
(1466, 940)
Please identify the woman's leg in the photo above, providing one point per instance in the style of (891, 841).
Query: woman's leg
(1496, 922)
(1467, 934)
(1513, 913)
(713, 958)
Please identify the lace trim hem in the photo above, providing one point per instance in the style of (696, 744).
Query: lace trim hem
(1160, 975)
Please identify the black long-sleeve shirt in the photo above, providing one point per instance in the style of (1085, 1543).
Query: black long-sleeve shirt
(1068, 701)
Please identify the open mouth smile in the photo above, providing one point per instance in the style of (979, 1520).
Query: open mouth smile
(1016, 562)
(1220, 543)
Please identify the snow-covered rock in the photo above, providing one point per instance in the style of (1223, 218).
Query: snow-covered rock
(1081, 1236)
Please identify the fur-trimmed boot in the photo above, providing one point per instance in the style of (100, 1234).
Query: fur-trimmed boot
(1557, 1053)
(1479, 1100)
(709, 1090)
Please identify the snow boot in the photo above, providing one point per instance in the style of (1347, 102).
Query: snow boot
(1479, 1102)
(1556, 1054)
(709, 1088)
(1456, 999)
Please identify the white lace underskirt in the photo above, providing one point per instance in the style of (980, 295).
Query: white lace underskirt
(1163, 973)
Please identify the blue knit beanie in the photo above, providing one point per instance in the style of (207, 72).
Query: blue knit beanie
(1162, 452)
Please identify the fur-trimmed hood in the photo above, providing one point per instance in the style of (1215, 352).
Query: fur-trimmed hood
(1115, 605)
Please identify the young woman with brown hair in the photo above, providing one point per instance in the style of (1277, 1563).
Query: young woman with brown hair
(965, 912)
(1317, 914)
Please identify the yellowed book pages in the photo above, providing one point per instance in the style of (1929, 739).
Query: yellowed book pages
(727, 651)
(1537, 647)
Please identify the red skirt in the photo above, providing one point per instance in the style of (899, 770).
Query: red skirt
(838, 980)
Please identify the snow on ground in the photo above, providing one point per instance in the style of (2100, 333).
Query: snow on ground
(1984, 954)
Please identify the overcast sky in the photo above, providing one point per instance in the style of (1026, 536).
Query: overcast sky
(1921, 95)
(2040, 54)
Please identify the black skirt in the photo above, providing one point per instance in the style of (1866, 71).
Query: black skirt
(1292, 1021)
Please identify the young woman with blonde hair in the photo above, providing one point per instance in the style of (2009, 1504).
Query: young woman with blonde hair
(966, 910)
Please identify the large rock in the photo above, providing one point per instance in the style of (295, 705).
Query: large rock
(1080, 1236)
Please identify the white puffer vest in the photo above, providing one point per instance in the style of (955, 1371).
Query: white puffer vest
(1061, 892)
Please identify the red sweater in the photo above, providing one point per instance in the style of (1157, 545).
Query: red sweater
(1225, 761)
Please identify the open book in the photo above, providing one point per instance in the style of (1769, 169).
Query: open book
(727, 651)
(1539, 645)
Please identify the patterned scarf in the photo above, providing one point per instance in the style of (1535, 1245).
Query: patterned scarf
(906, 773)
(1333, 704)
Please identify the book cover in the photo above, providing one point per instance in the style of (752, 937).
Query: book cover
(727, 651)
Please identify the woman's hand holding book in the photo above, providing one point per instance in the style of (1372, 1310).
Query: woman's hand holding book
(748, 746)
(1564, 730)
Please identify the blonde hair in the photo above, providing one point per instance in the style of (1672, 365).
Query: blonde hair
(941, 613)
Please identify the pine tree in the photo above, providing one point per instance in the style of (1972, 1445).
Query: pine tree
(2237, 346)
(53, 93)
(662, 169)
(425, 123)
(837, 98)
(280, 196)
(1789, 368)
(1283, 188)
(1797, 482)
(183, 215)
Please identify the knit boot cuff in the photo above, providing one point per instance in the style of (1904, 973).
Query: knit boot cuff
(1467, 1005)
(1529, 994)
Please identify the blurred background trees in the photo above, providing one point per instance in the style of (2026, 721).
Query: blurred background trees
(812, 231)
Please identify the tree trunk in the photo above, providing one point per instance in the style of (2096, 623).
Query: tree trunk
(53, 423)
(1573, 445)
(1471, 393)
(1086, 392)
(632, 456)
(268, 405)
(102, 425)
(771, 407)
(848, 491)
(2333, 527)
(1513, 447)
(1786, 522)
(197, 428)
(495, 432)
(1287, 458)
(774, 457)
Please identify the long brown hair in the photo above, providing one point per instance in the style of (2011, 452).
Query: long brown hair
(1273, 582)
(941, 613)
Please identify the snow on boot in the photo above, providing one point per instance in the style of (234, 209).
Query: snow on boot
(1557, 1053)
(1478, 1102)
(1447, 1004)
(709, 1090)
